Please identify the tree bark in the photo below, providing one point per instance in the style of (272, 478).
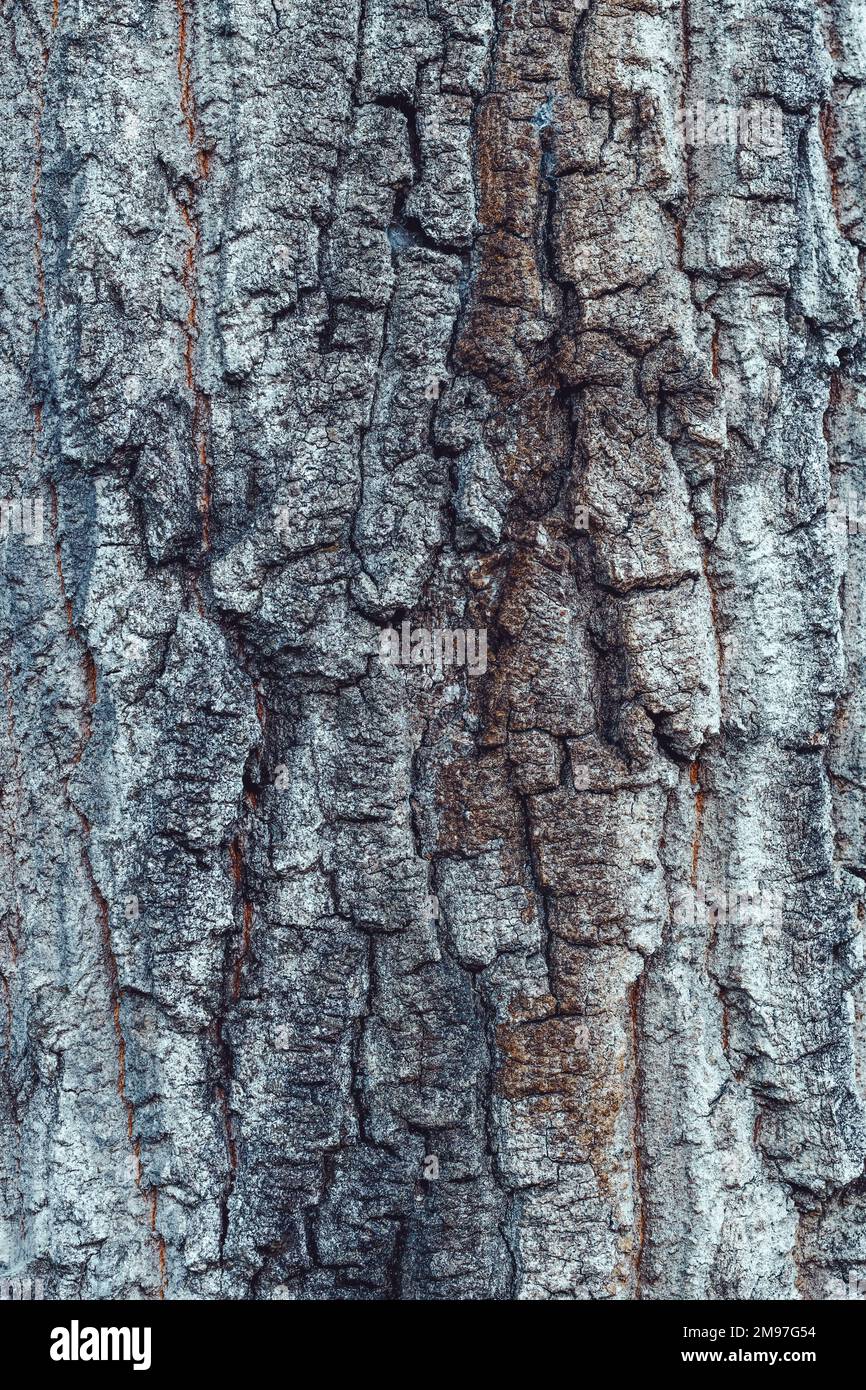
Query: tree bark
(329, 977)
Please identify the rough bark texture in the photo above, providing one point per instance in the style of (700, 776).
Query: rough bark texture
(319, 316)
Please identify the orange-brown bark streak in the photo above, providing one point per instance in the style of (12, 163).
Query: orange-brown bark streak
(90, 676)
(237, 868)
(700, 802)
(201, 400)
(634, 1000)
(38, 259)
(543, 1061)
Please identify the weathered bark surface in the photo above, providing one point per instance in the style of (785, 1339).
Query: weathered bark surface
(318, 317)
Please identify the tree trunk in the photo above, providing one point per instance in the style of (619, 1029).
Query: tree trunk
(531, 975)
